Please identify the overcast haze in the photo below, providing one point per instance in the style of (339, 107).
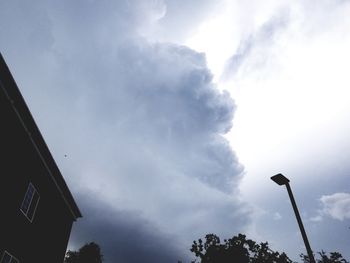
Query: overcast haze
(167, 118)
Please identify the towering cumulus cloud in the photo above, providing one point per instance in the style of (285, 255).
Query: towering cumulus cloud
(140, 124)
(148, 133)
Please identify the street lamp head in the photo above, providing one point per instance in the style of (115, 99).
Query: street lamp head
(280, 179)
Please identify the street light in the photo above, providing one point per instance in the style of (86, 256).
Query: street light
(280, 179)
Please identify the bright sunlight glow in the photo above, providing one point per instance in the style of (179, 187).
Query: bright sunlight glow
(298, 97)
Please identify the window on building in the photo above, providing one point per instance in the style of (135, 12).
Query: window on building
(30, 202)
(8, 258)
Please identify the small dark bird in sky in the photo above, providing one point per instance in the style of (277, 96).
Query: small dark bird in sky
(65, 155)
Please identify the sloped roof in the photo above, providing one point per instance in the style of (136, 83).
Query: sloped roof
(9, 87)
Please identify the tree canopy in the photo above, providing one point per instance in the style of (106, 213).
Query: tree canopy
(89, 253)
(333, 257)
(239, 249)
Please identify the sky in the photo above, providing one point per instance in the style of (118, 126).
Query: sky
(168, 118)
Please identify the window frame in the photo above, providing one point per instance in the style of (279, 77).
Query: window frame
(35, 191)
(13, 259)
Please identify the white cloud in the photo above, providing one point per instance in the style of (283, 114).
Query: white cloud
(336, 206)
(141, 123)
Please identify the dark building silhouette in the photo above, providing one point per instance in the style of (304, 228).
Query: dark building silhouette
(37, 208)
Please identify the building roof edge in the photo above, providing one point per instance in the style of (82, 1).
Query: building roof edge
(9, 86)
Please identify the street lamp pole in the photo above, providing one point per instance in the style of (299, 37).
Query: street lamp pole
(282, 180)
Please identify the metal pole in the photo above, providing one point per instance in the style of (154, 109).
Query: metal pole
(300, 223)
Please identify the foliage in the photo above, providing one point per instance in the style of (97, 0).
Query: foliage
(89, 253)
(71, 257)
(237, 249)
(334, 257)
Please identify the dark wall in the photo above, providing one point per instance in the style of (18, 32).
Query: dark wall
(45, 239)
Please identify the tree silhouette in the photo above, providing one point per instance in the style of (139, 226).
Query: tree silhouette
(71, 257)
(334, 257)
(238, 249)
(89, 253)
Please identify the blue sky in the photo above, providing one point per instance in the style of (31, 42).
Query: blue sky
(175, 114)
